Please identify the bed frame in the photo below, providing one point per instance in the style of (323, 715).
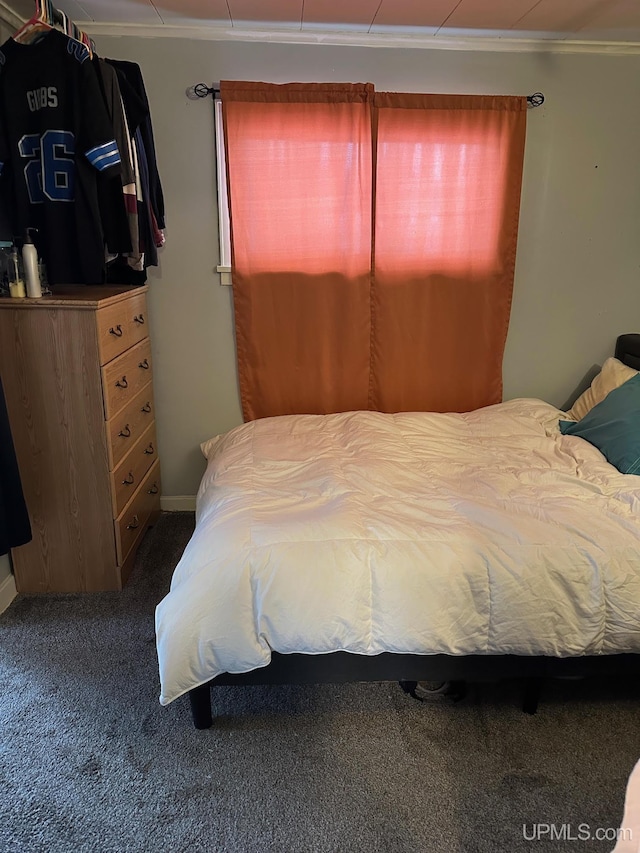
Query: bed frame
(342, 667)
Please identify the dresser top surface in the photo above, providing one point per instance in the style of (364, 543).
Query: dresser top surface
(89, 297)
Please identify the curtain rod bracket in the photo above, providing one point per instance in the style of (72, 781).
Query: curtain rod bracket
(201, 90)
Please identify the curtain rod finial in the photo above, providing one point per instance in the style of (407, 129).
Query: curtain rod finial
(535, 100)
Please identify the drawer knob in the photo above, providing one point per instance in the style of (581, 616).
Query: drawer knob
(145, 364)
(150, 450)
(153, 490)
(116, 331)
(122, 383)
(126, 432)
(135, 522)
(129, 480)
(146, 408)
(139, 319)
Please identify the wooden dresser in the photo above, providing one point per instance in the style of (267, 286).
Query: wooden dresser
(76, 370)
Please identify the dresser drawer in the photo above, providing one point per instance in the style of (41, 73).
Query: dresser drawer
(125, 428)
(121, 326)
(125, 376)
(128, 475)
(132, 521)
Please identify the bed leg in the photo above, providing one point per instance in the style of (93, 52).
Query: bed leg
(200, 698)
(532, 690)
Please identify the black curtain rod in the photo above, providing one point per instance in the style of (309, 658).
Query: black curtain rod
(201, 90)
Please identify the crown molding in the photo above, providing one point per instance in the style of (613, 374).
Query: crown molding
(211, 32)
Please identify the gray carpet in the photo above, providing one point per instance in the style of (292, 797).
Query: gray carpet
(90, 761)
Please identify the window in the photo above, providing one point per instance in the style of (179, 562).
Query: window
(224, 227)
(374, 239)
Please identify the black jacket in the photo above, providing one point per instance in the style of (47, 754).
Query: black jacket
(14, 520)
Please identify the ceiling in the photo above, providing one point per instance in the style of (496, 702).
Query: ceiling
(616, 22)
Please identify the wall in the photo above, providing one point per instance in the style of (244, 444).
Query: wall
(577, 272)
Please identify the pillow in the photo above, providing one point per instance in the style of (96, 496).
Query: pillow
(613, 426)
(612, 375)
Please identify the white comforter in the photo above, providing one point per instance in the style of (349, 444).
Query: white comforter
(479, 533)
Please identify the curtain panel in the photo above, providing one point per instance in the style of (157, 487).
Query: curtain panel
(448, 177)
(373, 245)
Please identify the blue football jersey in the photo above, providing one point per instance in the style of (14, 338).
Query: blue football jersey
(56, 144)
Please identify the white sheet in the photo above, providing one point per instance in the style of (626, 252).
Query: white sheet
(479, 533)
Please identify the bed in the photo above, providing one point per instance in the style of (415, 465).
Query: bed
(408, 547)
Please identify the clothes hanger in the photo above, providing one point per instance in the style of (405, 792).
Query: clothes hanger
(37, 24)
(70, 28)
(47, 17)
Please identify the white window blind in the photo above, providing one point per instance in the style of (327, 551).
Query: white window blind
(224, 267)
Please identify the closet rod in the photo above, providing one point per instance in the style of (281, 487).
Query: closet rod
(201, 90)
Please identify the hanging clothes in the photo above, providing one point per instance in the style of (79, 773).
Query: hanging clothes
(110, 190)
(133, 74)
(15, 528)
(57, 138)
(77, 156)
(143, 197)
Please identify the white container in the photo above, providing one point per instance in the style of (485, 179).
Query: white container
(30, 265)
(16, 289)
(16, 282)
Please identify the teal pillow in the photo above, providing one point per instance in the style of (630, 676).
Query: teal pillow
(613, 426)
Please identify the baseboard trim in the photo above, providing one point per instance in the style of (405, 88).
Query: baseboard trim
(8, 592)
(178, 503)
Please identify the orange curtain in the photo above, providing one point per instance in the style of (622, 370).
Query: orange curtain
(448, 176)
(334, 313)
(300, 175)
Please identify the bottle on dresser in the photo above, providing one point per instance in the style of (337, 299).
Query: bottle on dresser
(30, 265)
